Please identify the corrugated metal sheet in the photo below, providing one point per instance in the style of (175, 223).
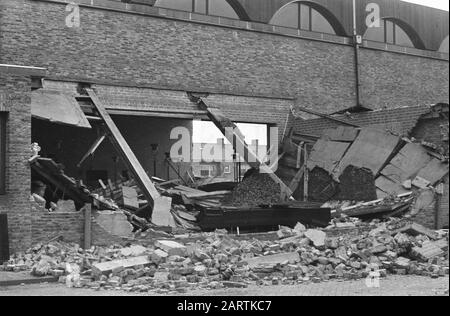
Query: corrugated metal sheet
(56, 107)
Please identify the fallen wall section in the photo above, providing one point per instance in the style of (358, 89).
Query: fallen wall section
(106, 227)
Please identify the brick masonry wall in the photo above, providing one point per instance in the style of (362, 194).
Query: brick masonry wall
(394, 80)
(16, 91)
(46, 226)
(429, 130)
(147, 51)
(399, 121)
(140, 50)
(444, 205)
(70, 226)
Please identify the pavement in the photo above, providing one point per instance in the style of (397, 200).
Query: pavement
(391, 286)
(22, 277)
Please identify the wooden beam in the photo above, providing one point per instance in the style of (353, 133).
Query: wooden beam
(128, 157)
(296, 180)
(87, 226)
(326, 116)
(306, 175)
(236, 138)
(92, 149)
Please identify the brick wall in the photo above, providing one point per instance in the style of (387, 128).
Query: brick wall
(400, 121)
(393, 80)
(132, 49)
(140, 50)
(46, 226)
(429, 130)
(70, 226)
(444, 205)
(16, 98)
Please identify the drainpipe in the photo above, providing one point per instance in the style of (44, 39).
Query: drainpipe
(356, 47)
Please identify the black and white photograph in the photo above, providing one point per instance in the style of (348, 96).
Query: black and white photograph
(220, 155)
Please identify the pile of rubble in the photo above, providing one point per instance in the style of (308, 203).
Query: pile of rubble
(256, 189)
(220, 260)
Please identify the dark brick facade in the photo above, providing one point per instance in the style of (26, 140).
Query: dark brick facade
(141, 50)
(16, 89)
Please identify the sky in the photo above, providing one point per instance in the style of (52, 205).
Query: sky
(207, 132)
(439, 4)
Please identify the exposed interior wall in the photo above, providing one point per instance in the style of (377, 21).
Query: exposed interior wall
(67, 145)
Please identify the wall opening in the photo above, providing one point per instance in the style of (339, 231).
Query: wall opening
(148, 137)
(213, 157)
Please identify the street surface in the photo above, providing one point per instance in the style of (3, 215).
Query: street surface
(392, 286)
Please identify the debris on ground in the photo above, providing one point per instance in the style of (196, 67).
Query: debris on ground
(221, 260)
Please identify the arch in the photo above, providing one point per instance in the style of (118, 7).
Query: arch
(239, 9)
(226, 8)
(318, 10)
(394, 31)
(444, 46)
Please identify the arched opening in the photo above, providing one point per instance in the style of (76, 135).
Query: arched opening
(308, 16)
(444, 46)
(394, 31)
(224, 8)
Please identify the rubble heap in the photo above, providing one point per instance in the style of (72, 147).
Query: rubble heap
(256, 189)
(219, 260)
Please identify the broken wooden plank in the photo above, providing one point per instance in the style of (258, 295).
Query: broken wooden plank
(201, 195)
(237, 139)
(130, 197)
(371, 149)
(106, 268)
(129, 158)
(92, 149)
(329, 117)
(375, 209)
(296, 180)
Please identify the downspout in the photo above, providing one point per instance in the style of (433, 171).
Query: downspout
(356, 52)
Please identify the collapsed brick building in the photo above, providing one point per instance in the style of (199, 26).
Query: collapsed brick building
(256, 60)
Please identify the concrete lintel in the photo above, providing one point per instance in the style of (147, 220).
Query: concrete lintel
(35, 72)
